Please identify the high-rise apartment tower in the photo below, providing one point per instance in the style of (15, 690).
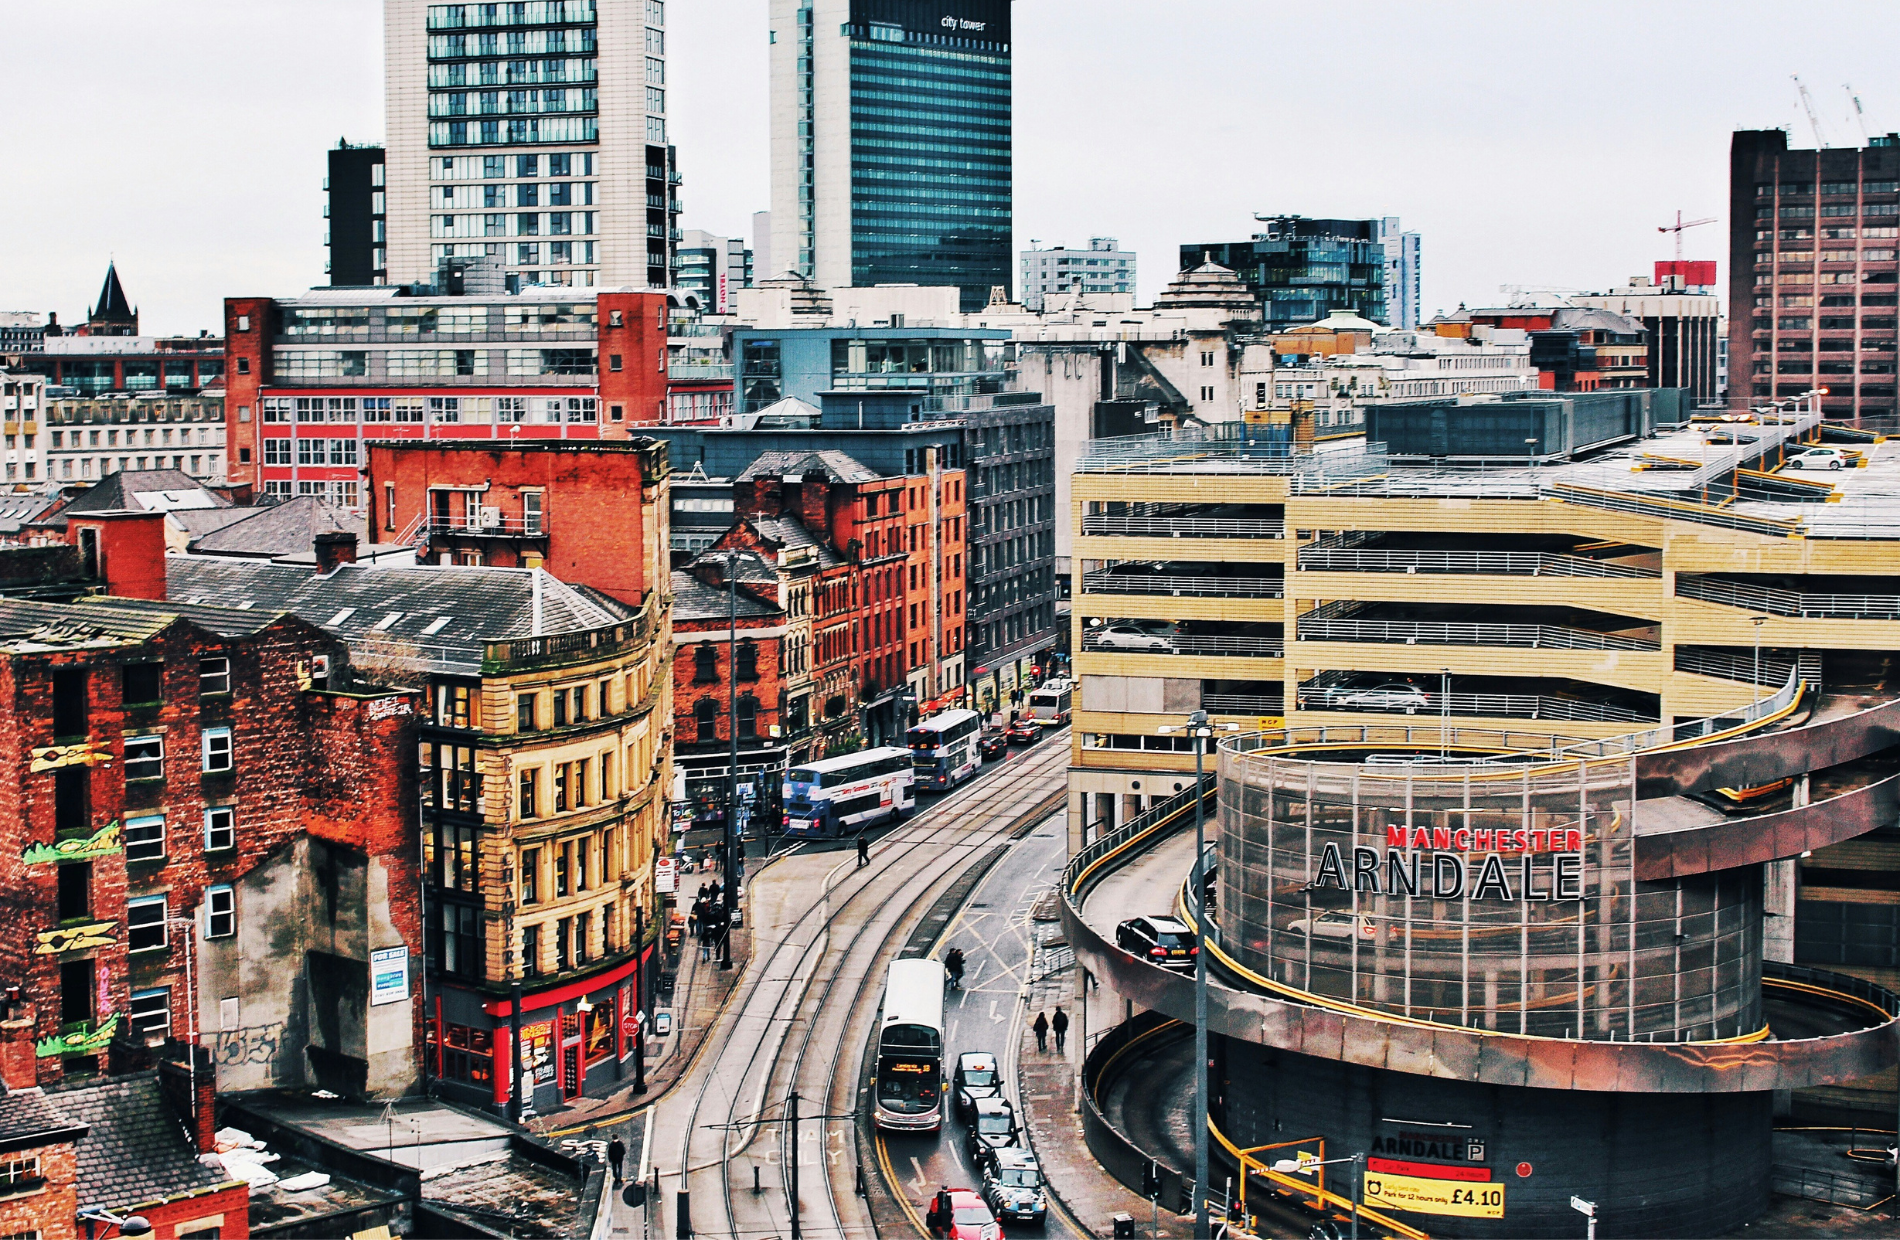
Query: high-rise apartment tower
(891, 158)
(533, 133)
(1813, 276)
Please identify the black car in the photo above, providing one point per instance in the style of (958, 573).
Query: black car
(1160, 940)
(1013, 1188)
(1022, 732)
(992, 1129)
(992, 744)
(976, 1078)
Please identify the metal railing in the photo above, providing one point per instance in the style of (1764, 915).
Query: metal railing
(1651, 738)
(1318, 559)
(1494, 705)
(1184, 527)
(1730, 665)
(1102, 581)
(487, 524)
(1789, 602)
(1673, 509)
(1243, 704)
(1414, 633)
(1816, 1184)
(1195, 643)
(699, 370)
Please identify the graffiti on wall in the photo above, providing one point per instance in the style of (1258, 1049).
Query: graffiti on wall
(258, 1044)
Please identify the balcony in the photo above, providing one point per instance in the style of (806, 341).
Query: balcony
(1476, 696)
(1333, 559)
(1186, 579)
(700, 370)
(490, 523)
(1189, 521)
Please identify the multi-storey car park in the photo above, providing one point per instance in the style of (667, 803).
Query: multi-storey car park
(1553, 846)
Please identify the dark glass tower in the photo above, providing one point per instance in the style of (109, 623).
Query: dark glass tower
(892, 156)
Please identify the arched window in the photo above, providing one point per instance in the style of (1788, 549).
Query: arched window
(705, 664)
(746, 665)
(706, 716)
(748, 717)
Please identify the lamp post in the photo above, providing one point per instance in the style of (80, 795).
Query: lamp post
(1444, 713)
(1200, 729)
(1757, 621)
(1294, 1166)
(729, 843)
(128, 1225)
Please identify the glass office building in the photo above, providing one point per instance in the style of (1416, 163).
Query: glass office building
(891, 151)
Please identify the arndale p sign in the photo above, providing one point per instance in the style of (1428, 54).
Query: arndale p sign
(1443, 861)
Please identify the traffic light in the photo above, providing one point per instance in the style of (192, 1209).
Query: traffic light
(1151, 1180)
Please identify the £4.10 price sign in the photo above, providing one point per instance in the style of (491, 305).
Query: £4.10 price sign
(1423, 1196)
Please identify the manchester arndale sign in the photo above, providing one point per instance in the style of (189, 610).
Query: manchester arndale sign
(1443, 864)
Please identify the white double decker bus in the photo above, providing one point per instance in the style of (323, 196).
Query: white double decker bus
(844, 795)
(910, 1082)
(943, 750)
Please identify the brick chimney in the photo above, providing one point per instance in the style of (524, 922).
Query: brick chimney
(334, 547)
(193, 1096)
(126, 550)
(812, 492)
(18, 1069)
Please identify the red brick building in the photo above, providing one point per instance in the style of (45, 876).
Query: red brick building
(590, 513)
(718, 687)
(312, 381)
(186, 782)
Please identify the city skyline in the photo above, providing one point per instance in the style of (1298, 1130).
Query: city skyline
(250, 219)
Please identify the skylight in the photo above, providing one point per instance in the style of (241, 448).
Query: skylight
(343, 615)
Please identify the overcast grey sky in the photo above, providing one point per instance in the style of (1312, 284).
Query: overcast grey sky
(1536, 144)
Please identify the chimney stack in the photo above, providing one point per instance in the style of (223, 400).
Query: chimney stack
(333, 548)
(18, 1069)
(812, 492)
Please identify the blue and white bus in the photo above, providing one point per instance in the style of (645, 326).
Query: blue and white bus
(943, 750)
(844, 795)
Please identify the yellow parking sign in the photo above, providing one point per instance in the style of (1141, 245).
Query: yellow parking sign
(1423, 1196)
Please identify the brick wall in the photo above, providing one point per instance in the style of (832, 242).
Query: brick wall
(53, 1211)
(246, 368)
(638, 388)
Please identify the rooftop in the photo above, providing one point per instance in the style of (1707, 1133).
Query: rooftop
(793, 466)
(136, 1151)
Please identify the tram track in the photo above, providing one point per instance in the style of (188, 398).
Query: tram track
(760, 1054)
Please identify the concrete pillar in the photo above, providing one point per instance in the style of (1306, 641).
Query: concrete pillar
(1779, 888)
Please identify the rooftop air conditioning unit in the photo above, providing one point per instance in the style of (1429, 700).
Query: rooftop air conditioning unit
(490, 518)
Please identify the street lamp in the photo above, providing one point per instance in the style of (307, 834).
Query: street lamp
(1444, 713)
(729, 896)
(1757, 621)
(128, 1225)
(1200, 729)
(1295, 1166)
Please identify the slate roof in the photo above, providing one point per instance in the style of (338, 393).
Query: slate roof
(136, 1150)
(112, 621)
(791, 532)
(197, 522)
(29, 1118)
(693, 599)
(834, 466)
(473, 604)
(16, 510)
(288, 528)
(163, 490)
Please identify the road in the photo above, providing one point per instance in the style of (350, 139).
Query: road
(824, 929)
(994, 931)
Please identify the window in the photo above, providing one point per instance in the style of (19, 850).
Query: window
(748, 717)
(747, 664)
(214, 676)
(706, 719)
(462, 1053)
(220, 912)
(524, 712)
(145, 924)
(145, 838)
(705, 664)
(530, 951)
(77, 980)
(70, 702)
(141, 682)
(580, 863)
(20, 1173)
(144, 757)
(75, 890)
(456, 946)
(1207, 393)
(582, 927)
(151, 1012)
(528, 800)
(217, 749)
(530, 876)
(220, 827)
(561, 931)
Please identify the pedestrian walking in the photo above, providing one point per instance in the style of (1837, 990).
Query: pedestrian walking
(1042, 1031)
(616, 1155)
(1060, 1027)
(864, 851)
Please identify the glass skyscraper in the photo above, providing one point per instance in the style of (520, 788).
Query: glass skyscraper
(891, 154)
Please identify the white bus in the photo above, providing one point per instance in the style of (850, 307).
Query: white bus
(844, 795)
(910, 1083)
(943, 750)
(1049, 705)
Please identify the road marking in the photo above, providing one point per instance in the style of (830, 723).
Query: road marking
(918, 1182)
(890, 1178)
(993, 1015)
(976, 973)
(953, 1031)
(646, 1146)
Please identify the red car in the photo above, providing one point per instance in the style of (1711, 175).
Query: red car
(959, 1214)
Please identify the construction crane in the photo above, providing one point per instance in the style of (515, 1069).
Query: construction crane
(1807, 103)
(1860, 117)
(1678, 226)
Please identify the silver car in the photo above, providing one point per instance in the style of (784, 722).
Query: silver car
(1395, 696)
(1134, 635)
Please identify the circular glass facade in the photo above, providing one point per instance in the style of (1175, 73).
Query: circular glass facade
(1489, 896)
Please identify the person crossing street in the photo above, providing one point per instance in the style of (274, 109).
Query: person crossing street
(864, 851)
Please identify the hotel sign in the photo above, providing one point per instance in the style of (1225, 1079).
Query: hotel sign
(1444, 864)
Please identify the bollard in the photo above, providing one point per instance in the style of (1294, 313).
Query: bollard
(683, 1230)
(756, 1190)
(1124, 1227)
